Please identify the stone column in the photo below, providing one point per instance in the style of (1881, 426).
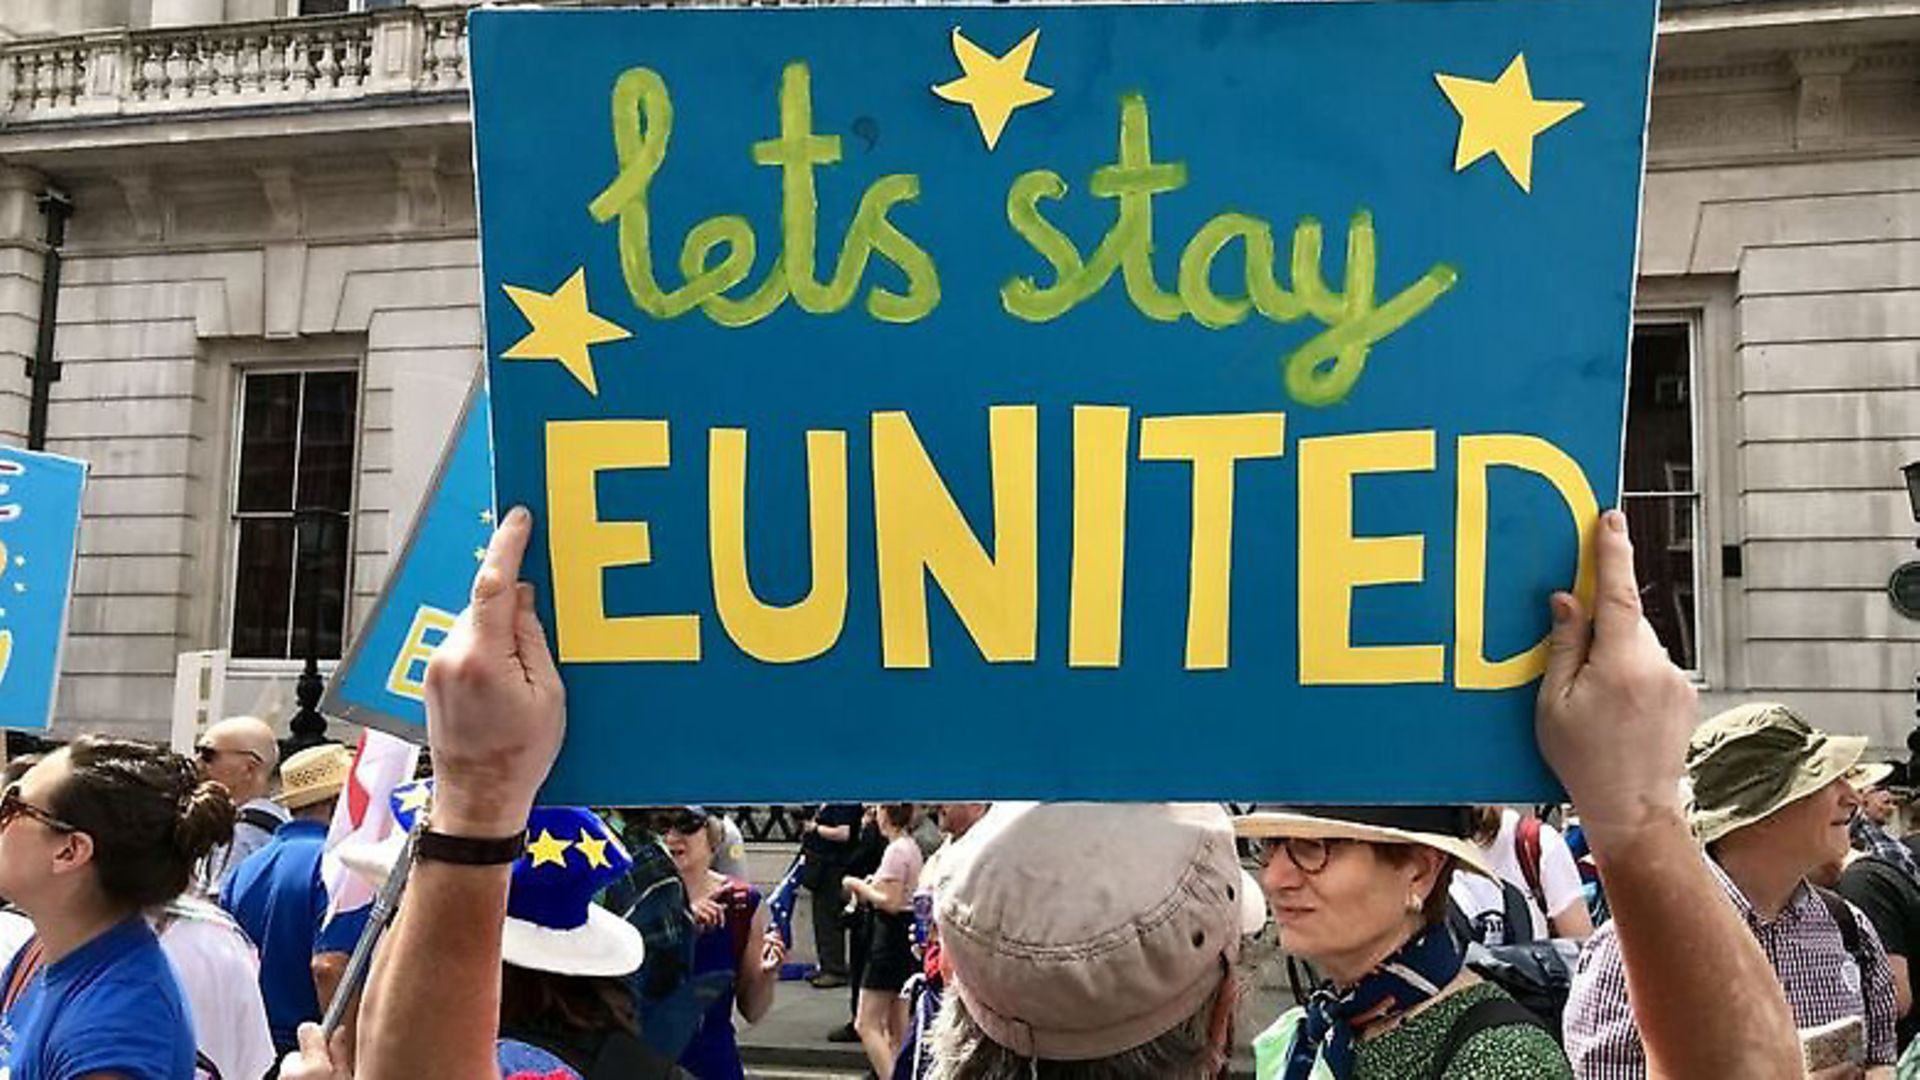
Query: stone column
(22, 250)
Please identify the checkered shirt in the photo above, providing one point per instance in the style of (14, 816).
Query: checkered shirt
(1807, 951)
(1873, 838)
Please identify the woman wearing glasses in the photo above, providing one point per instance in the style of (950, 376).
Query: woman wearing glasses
(1361, 894)
(736, 957)
(90, 838)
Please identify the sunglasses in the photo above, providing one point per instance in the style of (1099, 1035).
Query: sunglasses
(1309, 856)
(13, 807)
(207, 753)
(684, 822)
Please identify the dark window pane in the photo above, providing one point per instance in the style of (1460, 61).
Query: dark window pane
(326, 441)
(1660, 410)
(321, 590)
(322, 7)
(1662, 529)
(268, 419)
(263, 573)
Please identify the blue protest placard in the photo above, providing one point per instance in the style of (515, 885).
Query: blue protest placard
(39, 541)
(1133, 401)
(381, 682)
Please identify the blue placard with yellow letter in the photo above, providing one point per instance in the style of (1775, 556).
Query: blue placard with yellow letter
(39, 541)
(1131, 401)
(381, 682)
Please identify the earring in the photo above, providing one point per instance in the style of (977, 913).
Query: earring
(1413, 903)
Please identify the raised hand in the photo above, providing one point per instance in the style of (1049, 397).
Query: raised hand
(495, 708)
(1614, 712)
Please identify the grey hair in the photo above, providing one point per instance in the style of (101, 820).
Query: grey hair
(962, 1051)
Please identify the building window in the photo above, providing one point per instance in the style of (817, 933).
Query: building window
(295, 453)
(1660, 487)
(341, 7)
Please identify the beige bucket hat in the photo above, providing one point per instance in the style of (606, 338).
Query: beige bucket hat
(1078, 931)
(1748, 762)
(1446, 829)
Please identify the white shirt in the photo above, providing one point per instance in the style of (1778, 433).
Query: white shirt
(15, 930)
(1559, 876)
(219, 973)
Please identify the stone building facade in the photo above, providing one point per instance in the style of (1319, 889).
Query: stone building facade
(268, 294)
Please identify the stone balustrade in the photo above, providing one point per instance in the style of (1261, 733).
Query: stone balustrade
(237, 65)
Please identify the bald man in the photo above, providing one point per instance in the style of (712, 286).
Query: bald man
(241, 753)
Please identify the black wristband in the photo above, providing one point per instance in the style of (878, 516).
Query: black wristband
(431, 846)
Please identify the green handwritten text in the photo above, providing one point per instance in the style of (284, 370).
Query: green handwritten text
(1321, 371)
(717, 255)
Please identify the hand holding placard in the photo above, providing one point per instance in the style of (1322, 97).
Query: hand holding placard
(495, 707)
(1614, 712)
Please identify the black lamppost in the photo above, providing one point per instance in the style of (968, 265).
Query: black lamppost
(309, 728)
(1912, 472)
(1903, 590)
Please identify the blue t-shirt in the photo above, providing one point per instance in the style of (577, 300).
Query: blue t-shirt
(110, 1006)
(277, 898)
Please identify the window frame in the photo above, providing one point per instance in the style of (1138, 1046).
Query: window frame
(1706, 306)
(1688, 321)
(233, 515)
(354, 7)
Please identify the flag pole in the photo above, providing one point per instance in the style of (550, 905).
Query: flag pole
(385, 904)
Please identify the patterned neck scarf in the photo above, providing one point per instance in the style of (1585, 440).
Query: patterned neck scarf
(1417, 972)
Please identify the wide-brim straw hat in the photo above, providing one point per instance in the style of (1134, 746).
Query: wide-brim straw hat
(313, 775)
(1748, 762)
(1446, 829)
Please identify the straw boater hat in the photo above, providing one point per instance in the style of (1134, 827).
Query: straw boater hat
(552, 925)
(313, 775)
(1446, 829)
(1748, 762)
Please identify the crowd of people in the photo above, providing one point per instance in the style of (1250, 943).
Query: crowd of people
(1734, 898)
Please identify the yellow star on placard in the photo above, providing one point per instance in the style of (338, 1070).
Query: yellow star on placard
(548, 849)
(993, 86)
(594, 850)
(1502, 118)
(562, 328)
(415, 799)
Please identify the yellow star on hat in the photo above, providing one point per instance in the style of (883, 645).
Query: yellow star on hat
(1502, 118)
(548, 848)
(993, 86)
(562, 328)
(594, 850)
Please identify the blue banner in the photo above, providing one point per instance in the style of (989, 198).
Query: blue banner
(39, 542)
(381, 683)
(1105, 401)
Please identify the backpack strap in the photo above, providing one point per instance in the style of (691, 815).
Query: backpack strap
(260, 819)
(1850, 936)
(1483, 1015)
(1526, 844)
(1518, 915)
(26, 963)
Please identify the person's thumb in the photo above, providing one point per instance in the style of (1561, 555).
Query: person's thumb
(313, 1043)
(1568, 643)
